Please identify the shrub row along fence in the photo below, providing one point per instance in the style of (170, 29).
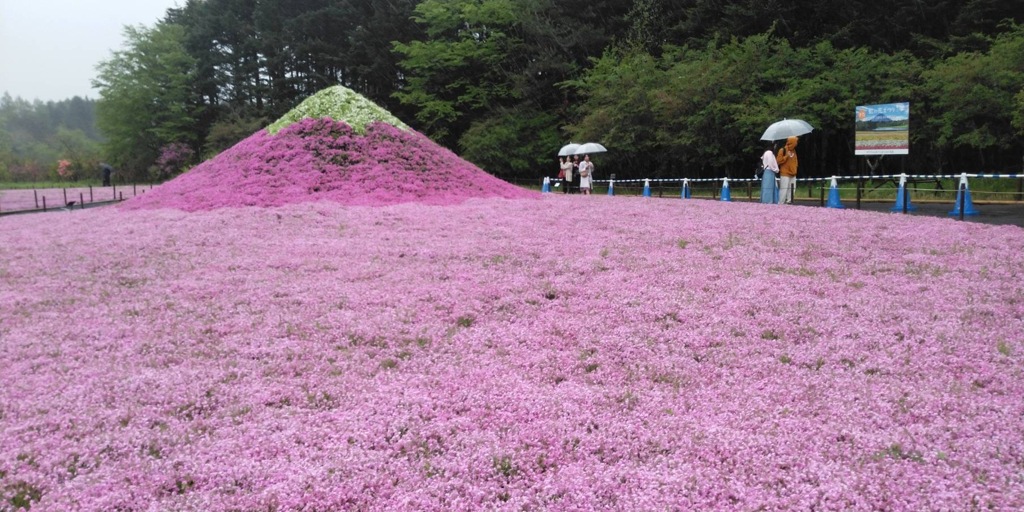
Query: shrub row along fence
(14, 201)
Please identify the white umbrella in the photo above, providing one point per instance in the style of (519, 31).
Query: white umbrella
(786, 128)
(589, 147)
(568, 149)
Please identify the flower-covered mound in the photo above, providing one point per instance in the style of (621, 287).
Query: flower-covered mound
(341, 104)
(324, 160)
(654, 355)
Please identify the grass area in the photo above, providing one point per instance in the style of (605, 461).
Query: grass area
(21, 185)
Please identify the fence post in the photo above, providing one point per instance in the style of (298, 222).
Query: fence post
(860, 185)
(964, 205)
(44, 203)
(65, 197)
(962, 196)
(90, 193)
(36, 194)
(822, 193)
(81, 200)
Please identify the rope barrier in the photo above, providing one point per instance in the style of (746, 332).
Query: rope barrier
(826, 178)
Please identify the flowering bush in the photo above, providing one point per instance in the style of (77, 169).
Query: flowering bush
(64, 169)
(174, 158)
(325, 160)
(663, 355)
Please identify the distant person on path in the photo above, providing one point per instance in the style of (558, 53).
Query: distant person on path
(586, 175)
(769, 193)
(787, 168)
(565, 174)
(107, 171)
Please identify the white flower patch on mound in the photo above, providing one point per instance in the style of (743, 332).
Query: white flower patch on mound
(341, 104)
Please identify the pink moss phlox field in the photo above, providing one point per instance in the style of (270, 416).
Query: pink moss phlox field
(324, 160)
(661, 355)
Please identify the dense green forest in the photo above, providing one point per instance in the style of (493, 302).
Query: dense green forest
(35, 136)
(673, 89)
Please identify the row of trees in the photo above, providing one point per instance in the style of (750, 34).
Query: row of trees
(35, 136)
(700, 111)
(672, 88)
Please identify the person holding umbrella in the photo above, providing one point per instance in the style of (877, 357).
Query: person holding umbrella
(769, 193)
(565, 172)
(787, 162)
(788, 129)
(107, 171)
(586, 175)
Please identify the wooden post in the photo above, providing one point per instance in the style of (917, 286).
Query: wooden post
(36, 194)
(44, 203)
(81, 200)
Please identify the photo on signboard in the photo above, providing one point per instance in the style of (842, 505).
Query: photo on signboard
(883, 129)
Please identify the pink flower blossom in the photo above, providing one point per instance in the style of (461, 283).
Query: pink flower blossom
(324, 160)
(662, 355)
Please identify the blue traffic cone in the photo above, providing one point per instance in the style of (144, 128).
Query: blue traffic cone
(726, 195)
(685, 194)
(546, 187)
(647, 188)
(611, 187)
(969, 208)
(903, 197)
(833, 196)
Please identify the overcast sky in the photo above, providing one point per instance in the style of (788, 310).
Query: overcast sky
(49, 48)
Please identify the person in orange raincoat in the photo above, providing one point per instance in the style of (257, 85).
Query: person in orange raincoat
(787, 170)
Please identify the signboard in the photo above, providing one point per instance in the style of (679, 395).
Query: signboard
(883, 129)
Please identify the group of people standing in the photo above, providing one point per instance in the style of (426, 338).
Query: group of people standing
(783, 164)
(576, 174)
